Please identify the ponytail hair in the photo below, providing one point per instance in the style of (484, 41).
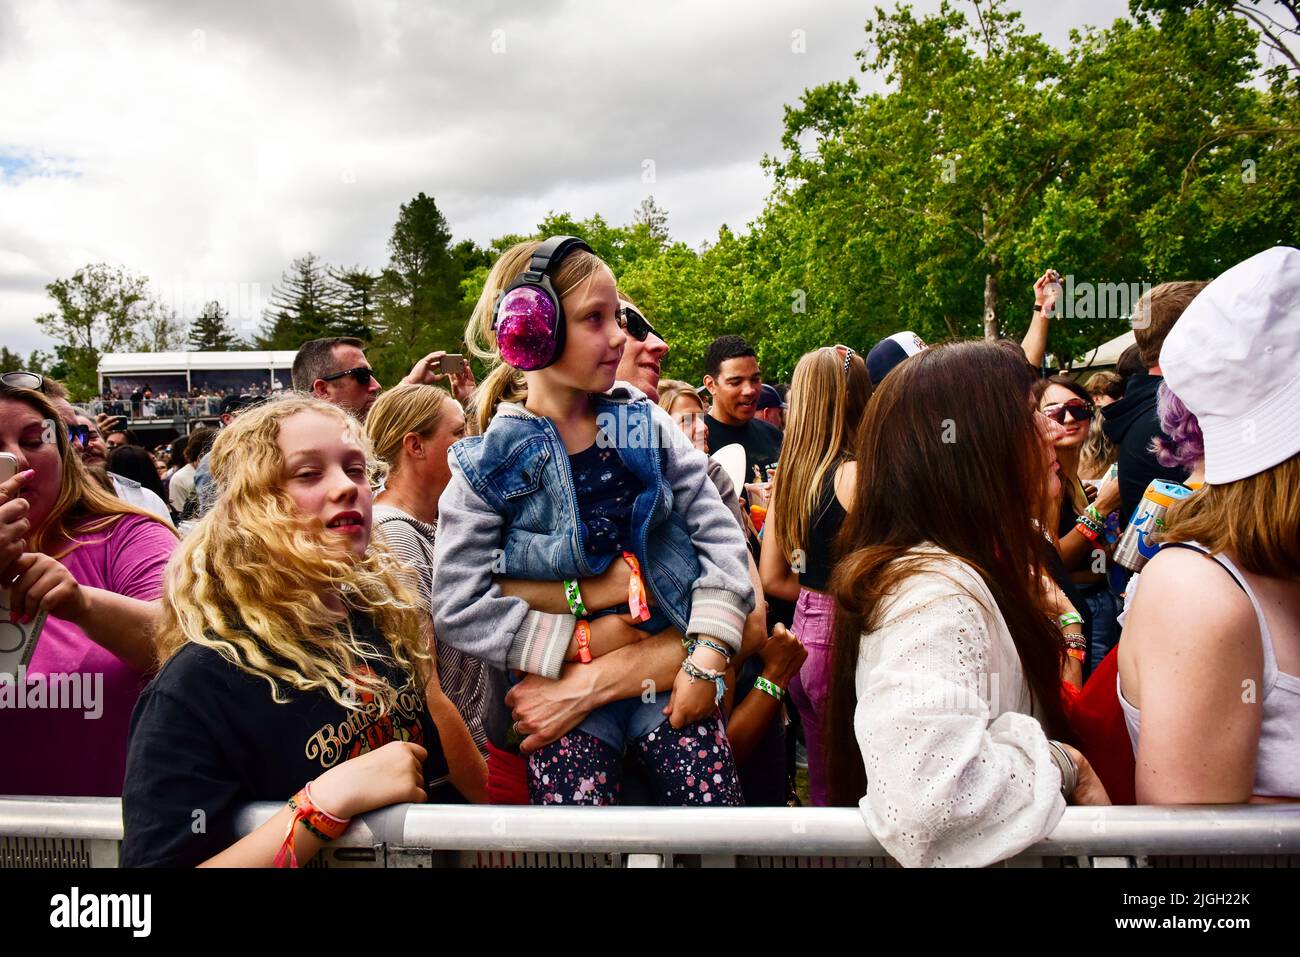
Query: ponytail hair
(504, 383)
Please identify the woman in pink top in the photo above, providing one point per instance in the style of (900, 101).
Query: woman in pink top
(94, 564)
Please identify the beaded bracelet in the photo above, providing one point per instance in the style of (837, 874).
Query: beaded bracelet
(694, 671)
(315, 819)
(574, 597)
(771, 687)
(1090, 522)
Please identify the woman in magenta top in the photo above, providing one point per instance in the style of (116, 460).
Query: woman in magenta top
(95, 565)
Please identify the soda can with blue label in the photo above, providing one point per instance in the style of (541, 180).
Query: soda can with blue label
(1135, 546)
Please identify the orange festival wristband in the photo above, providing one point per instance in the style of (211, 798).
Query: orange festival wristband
(320, 822)
(636, 598)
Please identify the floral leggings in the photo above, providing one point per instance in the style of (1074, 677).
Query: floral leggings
(687, 766)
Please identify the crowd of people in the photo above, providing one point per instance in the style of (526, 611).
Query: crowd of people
(142, 402)
(969, 592)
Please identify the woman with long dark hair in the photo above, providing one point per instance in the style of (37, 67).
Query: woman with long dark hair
(945, 720)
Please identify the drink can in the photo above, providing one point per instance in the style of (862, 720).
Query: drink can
(1135, 546)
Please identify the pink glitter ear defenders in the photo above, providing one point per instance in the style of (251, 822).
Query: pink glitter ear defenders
(529, 320)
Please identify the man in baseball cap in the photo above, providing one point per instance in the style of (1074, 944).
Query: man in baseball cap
(771, 407)
(887, 353)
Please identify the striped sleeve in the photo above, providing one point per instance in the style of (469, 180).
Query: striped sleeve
(717, 613)
(540, 644)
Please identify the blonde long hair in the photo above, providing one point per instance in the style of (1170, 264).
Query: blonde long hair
(83, 506)
(250, 581)
(826, 405)
(406, 408)
(504, 383)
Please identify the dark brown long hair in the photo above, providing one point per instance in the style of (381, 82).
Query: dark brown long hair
(948, 453)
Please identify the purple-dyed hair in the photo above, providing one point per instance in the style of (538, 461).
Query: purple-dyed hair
(1186, 445)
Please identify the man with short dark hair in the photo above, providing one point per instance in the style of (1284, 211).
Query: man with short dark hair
(336, 370)
(734, 380)
(1132, 422)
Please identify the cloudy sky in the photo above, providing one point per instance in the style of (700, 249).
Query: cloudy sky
(206, 144)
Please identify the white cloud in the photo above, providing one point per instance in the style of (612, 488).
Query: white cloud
(207, 144)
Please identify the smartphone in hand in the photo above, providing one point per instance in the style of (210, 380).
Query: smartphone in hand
(451, 364)
(17, 642)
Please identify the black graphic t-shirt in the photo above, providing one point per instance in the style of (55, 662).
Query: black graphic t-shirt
(761, 441)
(207, 737)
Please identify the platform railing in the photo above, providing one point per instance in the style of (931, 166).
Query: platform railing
(87, 832)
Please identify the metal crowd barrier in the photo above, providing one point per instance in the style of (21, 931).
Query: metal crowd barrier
(87, 832)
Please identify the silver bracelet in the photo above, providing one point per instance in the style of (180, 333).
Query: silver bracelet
(1065, 764)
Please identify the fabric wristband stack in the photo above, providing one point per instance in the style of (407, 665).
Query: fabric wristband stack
(1076, 646)
(315, 819)
(705, 674)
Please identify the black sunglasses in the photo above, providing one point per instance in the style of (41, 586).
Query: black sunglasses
(1077, 410)
(363, 375)
(637, 326)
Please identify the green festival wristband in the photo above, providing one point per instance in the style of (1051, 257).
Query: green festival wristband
(574, 597)
(771, 687)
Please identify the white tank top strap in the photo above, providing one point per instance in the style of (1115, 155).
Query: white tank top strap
(1270, 657)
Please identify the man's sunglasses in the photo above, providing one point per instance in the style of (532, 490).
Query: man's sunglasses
(363, 375)
(637, 326)
(1078, 411)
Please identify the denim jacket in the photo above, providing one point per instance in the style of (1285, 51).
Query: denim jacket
(510, 509)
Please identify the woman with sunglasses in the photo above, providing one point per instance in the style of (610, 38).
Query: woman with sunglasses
(1080, 519)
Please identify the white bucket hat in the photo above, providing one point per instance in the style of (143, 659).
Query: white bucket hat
(1233, 357)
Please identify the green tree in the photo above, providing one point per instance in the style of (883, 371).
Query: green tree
(989, 156)
(211, 331)
(355, 297)
(36, 361)
(159, 329)
(302, 306)
(97, 310)
(420, 307)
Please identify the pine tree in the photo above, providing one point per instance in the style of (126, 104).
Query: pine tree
(301, 306)
(355, 298)
(420, 309)
(211, 333)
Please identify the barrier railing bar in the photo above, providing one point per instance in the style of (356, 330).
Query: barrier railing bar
(1111, 831)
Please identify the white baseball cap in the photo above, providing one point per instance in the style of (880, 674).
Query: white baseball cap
(1233, 357)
